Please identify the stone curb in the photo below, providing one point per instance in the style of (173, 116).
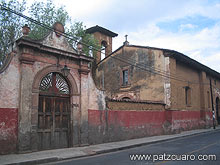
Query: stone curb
(36, 161)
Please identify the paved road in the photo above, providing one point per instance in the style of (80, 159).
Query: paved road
(203, 146)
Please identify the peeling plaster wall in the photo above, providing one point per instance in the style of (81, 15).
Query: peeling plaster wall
(29, 72)
(21, 95)
(198, 82)
(200, 95)
(59, 42)
(25, 107)
(96, 96)
(116, 125)
(8, 130)
(84, 109)
(9, 102)
(188, 77)
(9, 85)
(143, 81)
(188, 120)
(167, 88)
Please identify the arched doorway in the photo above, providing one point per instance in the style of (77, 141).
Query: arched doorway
(217, 110)
(53, 112)
(103, 49)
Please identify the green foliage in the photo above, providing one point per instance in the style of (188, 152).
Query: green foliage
(78, 30)
(46, 13)
(10, 26)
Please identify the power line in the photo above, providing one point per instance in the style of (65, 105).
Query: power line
(76, 39)
(151, 68)
(157, 72)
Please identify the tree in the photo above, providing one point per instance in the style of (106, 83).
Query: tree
(10, 26)
(47, 14)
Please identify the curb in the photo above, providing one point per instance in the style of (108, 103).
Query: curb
(54, 159)
(152, 142)
(37, 161)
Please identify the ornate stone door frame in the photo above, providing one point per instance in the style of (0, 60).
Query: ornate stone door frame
(74, 100)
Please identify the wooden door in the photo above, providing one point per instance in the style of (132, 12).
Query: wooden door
(53, 116)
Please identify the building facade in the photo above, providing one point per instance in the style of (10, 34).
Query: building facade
(40, 106)
(50, 98)
(155, 91)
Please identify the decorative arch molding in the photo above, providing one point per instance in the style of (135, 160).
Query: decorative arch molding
(104, 43)
(74, 95)
(126, 96)
(53, 68)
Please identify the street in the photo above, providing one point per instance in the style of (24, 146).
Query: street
(197, 149)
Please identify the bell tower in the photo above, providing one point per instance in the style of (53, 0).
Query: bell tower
(104, 37)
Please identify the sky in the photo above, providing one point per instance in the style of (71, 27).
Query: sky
(191, 27)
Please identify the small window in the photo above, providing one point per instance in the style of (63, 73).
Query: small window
(125, 77)
(188, 95)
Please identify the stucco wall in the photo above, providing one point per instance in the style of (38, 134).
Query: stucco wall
(43, 64)
(188, 120)
(185, 76)
(116, 125)
(19, 92)
(8, 130)
(199, 83)
(9, 84)
(144, 82)
(9, 103)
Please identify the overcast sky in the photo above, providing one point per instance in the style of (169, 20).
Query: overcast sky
(191, 27)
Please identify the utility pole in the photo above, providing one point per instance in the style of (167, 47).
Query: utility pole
(213, 111)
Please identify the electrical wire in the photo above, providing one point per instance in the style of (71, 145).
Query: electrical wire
(157, 72)
(66, 35)
(128, 61)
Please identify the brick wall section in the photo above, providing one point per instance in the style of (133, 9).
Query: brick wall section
(8, 130)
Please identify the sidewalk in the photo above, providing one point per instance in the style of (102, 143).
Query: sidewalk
(76, 152)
